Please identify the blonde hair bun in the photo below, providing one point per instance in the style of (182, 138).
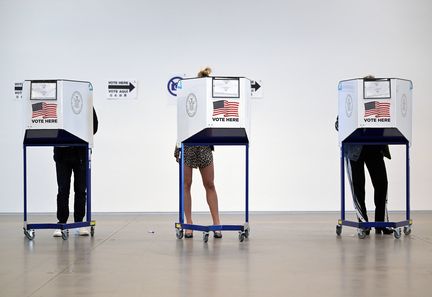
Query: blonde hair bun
(205, 72)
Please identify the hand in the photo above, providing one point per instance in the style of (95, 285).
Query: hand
(337, 123)
(176, 153)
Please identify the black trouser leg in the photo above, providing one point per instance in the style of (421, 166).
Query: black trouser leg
(377, 171)
(358, 182)
(63, 171)
(80, 189)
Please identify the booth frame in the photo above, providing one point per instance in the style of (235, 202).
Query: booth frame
(364, 227)
(29, 229)
(243, 230)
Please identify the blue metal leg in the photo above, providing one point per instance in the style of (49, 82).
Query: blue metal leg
(181, 186)
(88, 181)
(342, 172)
(407, 182)
(25, 182)
(247, 183)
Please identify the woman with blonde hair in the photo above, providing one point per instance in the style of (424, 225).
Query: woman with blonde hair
(200, 157)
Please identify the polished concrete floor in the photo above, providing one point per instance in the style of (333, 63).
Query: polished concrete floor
(288, 254)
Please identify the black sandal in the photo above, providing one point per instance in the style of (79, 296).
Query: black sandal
(189, 234)
(217, 234)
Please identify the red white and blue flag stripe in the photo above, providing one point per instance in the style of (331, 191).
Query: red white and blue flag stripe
(377, 109)
(225, 108)
(44, 110)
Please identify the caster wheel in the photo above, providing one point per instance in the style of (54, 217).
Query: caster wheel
(179, 233)
(92, 231)
(242, 236)
(397, 233)
(246, 232)
(407, 230)
(338, 230)
(65, 234)
(205, 236)
(30, 234)
(361, 233)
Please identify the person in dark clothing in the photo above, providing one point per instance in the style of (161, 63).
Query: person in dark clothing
(373, 157)
(356, 157)
(72, 159)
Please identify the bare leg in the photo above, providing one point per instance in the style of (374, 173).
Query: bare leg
(187, 194)
(207, 174)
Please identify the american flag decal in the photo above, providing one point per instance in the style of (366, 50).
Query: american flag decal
(44, 110)
(377, 109)
(225, 108)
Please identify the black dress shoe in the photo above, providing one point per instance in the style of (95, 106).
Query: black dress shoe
(385, 231)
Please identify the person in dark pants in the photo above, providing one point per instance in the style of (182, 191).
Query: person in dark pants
(68, 160)
(356, 157)
(372, 156)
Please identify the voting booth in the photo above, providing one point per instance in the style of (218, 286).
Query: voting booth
(375, 111)
(213, 111)
(58, 113)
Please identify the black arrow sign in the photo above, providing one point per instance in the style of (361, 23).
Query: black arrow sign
(129, 87)
(255, 86)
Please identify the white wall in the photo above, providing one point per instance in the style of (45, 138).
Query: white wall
(300, 49)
